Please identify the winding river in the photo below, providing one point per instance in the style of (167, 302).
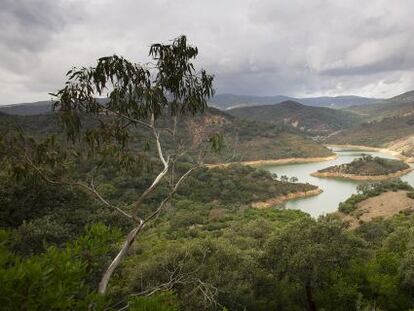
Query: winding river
(334, 190)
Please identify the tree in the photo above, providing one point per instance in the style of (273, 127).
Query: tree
(308, 251)
(141, 104)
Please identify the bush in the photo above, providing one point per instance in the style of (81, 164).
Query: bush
(59, 279)
(164, 301)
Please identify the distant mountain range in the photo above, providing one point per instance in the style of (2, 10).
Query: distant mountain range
(228, 101)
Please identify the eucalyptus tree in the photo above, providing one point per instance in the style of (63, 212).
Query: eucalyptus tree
(106, 106)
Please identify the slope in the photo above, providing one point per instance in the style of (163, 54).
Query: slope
(318, 121)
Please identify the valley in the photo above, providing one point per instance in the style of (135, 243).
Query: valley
(240, 155)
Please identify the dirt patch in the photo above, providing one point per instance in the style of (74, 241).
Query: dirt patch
(384, 205)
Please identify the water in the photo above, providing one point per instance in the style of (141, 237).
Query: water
(334, 190)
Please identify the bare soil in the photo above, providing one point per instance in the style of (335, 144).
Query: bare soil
(384, 206)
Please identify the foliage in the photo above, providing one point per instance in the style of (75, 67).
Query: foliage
(56, 279)
(164, 301)
(237, 184)
(307, 253)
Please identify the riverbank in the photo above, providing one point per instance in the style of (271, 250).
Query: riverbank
(276, 161)
(362, 177)
(281, 199)
(374, 149)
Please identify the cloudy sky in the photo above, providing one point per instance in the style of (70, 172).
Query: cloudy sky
(263, 47)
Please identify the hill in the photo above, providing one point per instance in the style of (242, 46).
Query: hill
(398, 106)
(395, 133)
(39, 107)
(244, 140)
(366, 168)
(388, 125)
(228, 101)
(319, 121)
(251, 141)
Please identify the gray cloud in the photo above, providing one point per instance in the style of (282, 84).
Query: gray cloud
(296, 47)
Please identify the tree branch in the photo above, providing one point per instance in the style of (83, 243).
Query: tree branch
(77, 184)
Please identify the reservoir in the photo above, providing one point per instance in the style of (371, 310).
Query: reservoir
(334, 190)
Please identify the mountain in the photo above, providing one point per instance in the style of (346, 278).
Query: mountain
(228, 101)
(314, 120)
(28, 108)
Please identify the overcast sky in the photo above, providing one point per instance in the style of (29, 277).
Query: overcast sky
(263, 47)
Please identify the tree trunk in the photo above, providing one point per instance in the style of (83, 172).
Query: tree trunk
(309, 298)
(103, 284)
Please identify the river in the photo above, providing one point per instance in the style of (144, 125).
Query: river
(334, 190)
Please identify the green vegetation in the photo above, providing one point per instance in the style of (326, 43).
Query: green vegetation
(366, 191)
(243, 140)
(368, 166)
(315, 120)
(237, 184)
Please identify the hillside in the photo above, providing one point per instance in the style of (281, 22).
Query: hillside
(244, 140)
(315, 120)
(228, 101)
(398, 106)
(388, 125)
(394, 133)
(250, 141)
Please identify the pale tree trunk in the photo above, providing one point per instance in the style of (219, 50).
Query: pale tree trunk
(103, 284)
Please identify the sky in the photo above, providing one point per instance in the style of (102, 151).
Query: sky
(298, 48)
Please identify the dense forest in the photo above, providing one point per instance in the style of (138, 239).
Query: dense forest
(210, 250)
